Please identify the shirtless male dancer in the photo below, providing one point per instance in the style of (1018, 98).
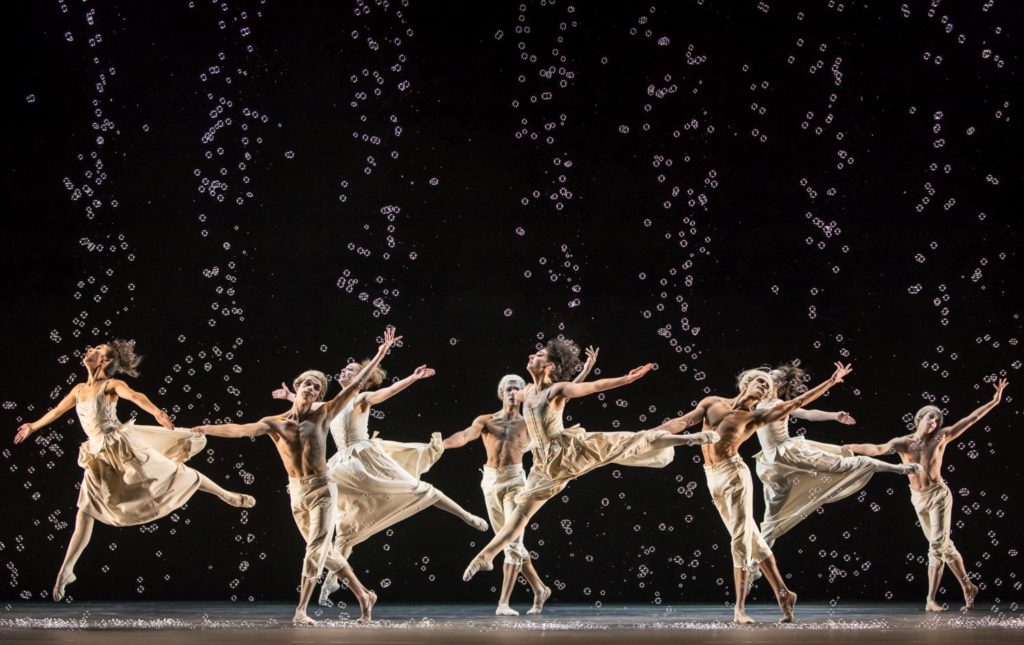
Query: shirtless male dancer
(505, 439)
(929, 494)
(736, 420)
(300, 435)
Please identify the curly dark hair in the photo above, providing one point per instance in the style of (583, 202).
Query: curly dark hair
(790, 379)
(123, 359)
(565, 354)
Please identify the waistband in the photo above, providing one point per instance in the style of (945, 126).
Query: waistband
(731, 462)
(309, 480)
(939, 485)
(503, 471)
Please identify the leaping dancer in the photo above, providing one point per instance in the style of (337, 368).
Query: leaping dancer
(563, 454)
(133, 474)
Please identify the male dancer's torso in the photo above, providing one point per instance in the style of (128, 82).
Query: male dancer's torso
(928, 451)
(505, 439)
(732, 424)
(301, 441)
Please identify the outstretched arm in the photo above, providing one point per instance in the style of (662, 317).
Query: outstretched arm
(691, 418)
(589, 365)
(462, 437)
(820, 415)
(26, 429)
(958, 428)
(338, 403)
(235, 430)
(770, 415)
(385, 393)
(576, 390)
(141, 400)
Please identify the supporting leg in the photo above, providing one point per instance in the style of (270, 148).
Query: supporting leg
(79, 540)
(541, 592)
(935, 572)
(970, 589)
(740, 580)
(508, 582)
(785, 597)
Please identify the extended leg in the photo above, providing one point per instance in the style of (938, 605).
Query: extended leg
(674, 440)
(79, 540)
(234, 499)
(514, 525)
(446, 503)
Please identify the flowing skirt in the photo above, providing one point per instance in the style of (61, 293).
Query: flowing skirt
(800, 477)
(136, 474)
(379, 485)
(575, 452)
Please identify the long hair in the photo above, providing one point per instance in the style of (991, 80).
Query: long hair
(790, 379)
(376, 376)
(123, 359)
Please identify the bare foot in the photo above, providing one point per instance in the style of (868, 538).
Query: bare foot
(970, 593)
(931, 605)
(787, 603)
(240, 500)
(539, 600)
(58, 587)
(478, 523)
(329, 586)
(302, 618)
(741, 617)
(505, 610)
(909, 469)
(366, 607)
(477, 564)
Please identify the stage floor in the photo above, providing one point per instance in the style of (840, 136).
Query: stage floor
(253, 623)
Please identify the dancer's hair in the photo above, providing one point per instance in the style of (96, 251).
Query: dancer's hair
(123, 359)
(925, 410)
(376, 377)
(507, 379)
(565, 354)
(790, 379)
(316, 375)
(746, 375)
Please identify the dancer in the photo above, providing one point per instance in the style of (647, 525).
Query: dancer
(800, 476)
(378, 481)
(729, 481)
(133, 474)
(929, 494)
(300, 435)
(505, 439)
(561, 454)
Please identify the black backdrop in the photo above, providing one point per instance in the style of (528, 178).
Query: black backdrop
(250, 189)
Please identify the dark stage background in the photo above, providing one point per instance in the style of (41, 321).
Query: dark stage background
(250, 189)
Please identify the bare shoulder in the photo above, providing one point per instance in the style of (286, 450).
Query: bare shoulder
(903, 443)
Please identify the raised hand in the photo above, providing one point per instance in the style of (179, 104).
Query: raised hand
(1000, 386)
(591, 352)
(422, 372)
(638, 372)
(841, 372)
(845, 418)
(282, 392)
(24, 432)
(389, 339)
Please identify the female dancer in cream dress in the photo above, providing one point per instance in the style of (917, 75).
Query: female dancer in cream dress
(133, 474)
(379, 481)
(562, 454)
(800, 476)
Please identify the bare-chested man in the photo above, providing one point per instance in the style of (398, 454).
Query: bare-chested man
(505, 439)
(300, 436)
(930, 495)
(736, 419)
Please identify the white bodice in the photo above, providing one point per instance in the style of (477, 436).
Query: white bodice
(774, 434)
(350, 426)
(543, 422)
(98, 415)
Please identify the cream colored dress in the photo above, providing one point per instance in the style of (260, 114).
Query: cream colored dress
(800, 476)
(562, 454)
(378, 481)
(133, 474)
